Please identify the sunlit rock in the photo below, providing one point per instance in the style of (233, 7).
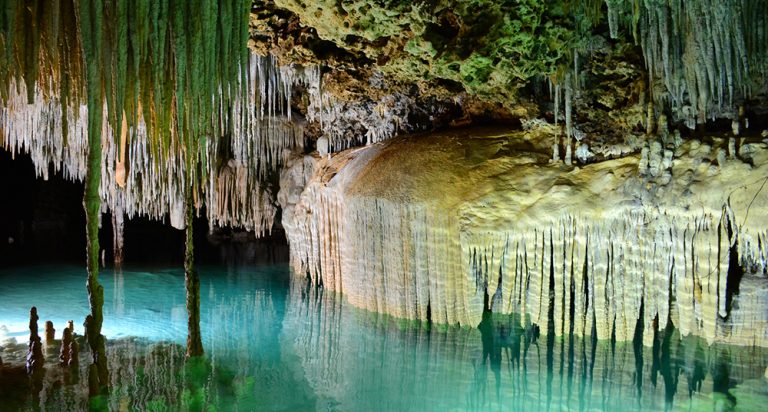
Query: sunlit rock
(443, 227)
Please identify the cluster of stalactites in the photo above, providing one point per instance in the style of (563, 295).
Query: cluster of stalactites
(185, 106)
(139, 178)
(347, 124)
(616, 276)
(703, 57)
(609, 277)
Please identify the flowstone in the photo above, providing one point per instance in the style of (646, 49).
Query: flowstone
(445, 226)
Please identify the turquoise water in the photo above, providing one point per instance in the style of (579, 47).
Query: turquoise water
(275, 344)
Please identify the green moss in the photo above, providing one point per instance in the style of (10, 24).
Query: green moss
(420, 48)
(491, 47)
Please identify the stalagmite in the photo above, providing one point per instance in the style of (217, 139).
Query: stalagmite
(73, 351)
(50, 333)
(511, 228)
(35, 358)
(66, 341)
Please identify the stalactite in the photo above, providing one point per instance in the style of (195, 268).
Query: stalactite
(91, 40)
(118, 225)
(703, 57)
(568, 118)
(614, 9)
(350, 124)
(173, 74)
(192, 285)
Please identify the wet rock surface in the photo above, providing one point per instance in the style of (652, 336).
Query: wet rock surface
(446, 226)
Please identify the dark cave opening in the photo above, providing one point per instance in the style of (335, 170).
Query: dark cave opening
(43, 221)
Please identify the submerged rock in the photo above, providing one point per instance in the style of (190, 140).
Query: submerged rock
(446, 226)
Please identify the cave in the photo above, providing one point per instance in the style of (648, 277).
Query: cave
(383, 205)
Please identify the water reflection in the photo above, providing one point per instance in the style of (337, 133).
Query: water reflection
(362, 361)
(275, 345)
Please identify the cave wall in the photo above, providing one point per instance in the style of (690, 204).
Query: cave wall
(443, 227)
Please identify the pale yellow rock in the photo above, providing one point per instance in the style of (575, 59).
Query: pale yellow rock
(433, 224)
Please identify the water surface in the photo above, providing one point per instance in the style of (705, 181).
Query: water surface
(276, 344)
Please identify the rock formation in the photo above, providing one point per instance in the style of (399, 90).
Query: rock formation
(35, 358)
(444, 227)
(612, 195)
(66, 341)
(50, 333)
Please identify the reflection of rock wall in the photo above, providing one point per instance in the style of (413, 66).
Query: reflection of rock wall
(356, 360)
(440, 227)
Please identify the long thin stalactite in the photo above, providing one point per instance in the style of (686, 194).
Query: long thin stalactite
(91, 29)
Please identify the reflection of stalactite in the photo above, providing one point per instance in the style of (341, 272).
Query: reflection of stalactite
(144, 372)
(501, 364)
(118, 292)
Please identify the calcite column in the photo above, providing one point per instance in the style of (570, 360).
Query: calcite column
(192, 285)
(35, 358)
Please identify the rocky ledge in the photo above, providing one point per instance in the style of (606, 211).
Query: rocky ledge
(442, 227)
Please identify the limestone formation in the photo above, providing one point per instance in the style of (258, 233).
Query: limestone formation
(73, 354)
(233, 193)
(448, 226)
(35, 358)
(50, 333)
(597, 214)
(66, 342)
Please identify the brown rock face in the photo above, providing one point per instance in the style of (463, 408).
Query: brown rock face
(66, 341)
(50, 332)
(35, 358)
